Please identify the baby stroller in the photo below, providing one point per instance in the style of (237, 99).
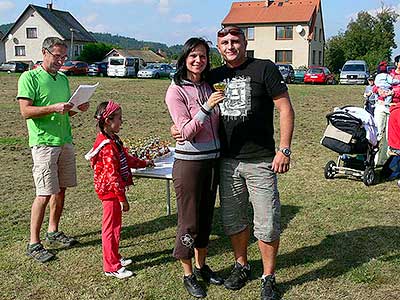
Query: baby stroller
(346, 134)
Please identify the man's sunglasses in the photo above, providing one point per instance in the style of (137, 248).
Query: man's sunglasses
(56, 56)
(234, 31)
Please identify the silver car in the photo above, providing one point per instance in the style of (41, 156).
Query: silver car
(155, 71)
(14, 66)
(354, 72)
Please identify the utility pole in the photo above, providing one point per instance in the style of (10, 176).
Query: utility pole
(72, 42)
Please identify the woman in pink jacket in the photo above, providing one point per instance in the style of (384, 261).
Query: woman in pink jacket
(194, 111)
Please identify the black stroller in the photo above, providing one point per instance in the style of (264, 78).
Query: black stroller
(346, 135)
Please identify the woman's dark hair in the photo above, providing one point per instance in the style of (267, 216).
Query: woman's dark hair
(181, 69)
(99, 116)
(397, 59)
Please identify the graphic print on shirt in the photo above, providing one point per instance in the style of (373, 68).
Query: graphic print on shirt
(237, 103)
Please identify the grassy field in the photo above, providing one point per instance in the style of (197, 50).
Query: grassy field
(341, 239)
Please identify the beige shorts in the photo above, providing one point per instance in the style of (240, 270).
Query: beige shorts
(54, 167)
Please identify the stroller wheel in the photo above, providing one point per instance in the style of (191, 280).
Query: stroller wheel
(329, 170)
(369, 176)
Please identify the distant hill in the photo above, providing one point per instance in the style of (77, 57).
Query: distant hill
(132, 43)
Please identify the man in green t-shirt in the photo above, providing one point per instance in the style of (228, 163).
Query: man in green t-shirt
(43, 94)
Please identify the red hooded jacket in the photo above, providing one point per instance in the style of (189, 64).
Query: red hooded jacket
(105, 160)
(394, 119)
(396, 88)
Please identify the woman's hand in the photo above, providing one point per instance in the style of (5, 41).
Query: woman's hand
(176, 135)
(124, 205)
(215, 98)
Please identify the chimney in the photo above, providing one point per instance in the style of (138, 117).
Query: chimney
(50, 6)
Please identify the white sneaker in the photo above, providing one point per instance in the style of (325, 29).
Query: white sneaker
(125, 261)
(120, 274)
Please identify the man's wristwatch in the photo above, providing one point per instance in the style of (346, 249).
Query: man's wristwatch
(285, 151)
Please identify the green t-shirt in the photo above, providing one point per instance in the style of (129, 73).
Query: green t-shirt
(44, 89)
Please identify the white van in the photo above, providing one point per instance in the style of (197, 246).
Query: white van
(354, 72)
(124, 66)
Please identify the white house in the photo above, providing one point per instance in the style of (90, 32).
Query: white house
(23, 42)
(285, 31)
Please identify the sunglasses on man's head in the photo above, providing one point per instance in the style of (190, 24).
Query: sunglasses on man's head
(234, 31)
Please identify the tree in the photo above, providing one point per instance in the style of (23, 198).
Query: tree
(368, 37)
(215, 59)
(93, 52)
(334, 53)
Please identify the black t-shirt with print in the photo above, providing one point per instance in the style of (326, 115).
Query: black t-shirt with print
(247, 129)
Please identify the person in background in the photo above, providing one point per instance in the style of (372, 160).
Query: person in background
(195, 113)
(112, 165)
(43, 95)
(369, 96)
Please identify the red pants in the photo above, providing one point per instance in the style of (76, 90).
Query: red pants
(110, 234)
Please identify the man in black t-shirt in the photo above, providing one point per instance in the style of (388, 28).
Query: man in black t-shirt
(249, 161)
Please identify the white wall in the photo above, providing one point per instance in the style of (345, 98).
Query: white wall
(265, 44)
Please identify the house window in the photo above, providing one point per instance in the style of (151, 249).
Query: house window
(315, 33)
(320, 58)
(250, 33)
(77, 50)
(250, 53)
(320, 34)
(283, 56)
(19, 50)
(31, 33)
(284, 32)
(313, 57)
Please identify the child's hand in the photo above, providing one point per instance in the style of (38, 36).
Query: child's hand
(124, 205)
(150, 163)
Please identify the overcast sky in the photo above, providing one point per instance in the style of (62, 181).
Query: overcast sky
(174, 21)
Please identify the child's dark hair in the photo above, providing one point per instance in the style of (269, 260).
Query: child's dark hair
(99, 116)
(181, 70)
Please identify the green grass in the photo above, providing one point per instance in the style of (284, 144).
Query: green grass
(341, 239)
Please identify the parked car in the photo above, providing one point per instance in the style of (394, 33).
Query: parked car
(128, 66)
(98, 69)
(354, 72)
(287, 72)
(172, 74)
(299, 75)
(319, 75)
(74, 67)
(14, 66)
(37, 64)
(155, 71)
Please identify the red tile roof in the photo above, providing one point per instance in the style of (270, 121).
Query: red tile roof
(280, 11)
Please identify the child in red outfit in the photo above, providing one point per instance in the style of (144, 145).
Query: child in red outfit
(111, 163)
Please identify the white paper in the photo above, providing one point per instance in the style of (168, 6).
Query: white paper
(82, 95)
